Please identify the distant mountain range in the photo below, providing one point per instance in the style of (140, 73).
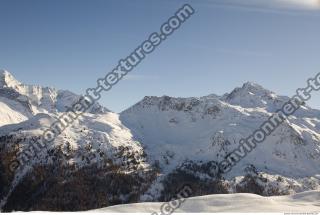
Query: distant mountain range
(150, 150)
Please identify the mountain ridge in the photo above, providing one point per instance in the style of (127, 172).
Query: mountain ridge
(152, 148)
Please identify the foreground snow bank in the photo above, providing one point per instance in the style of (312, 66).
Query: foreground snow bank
(301, 202)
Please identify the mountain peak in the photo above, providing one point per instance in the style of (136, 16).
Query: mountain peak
(250, 88)
(3, 72)
(251, 84)
(7, 79)
(254, 87)
(250, 95)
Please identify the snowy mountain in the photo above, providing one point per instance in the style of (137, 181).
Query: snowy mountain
(149, 150)
(186, 137)
(20, 102)
(94, 163)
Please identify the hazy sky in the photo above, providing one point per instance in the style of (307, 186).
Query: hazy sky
(68, 44)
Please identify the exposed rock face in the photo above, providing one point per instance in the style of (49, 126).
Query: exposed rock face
(148, 151)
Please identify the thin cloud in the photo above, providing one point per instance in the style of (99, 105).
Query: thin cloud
(139, 77)
(248, 53)
(276, 4)
(309, 4)
(289, 7)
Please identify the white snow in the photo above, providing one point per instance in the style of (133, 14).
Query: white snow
(306, 202)
(197, 128)
(7, 80)
(172, 130)
(12, 112)
(208, 128)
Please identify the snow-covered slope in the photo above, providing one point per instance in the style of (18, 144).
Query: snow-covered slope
(97, 152)
(307, 202)
(147, 151)
(19, 102)
(183, 134)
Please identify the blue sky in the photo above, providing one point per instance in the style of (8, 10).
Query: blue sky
(69, 44)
